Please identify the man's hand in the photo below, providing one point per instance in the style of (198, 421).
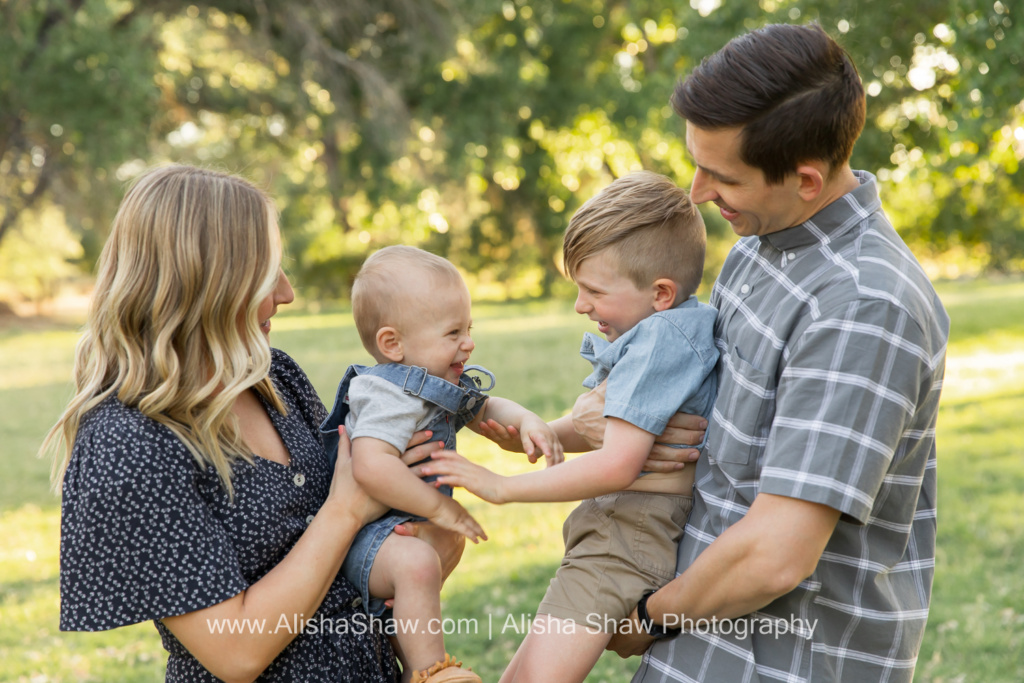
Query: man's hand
(588, 416)
(629, 639)
(589, 422)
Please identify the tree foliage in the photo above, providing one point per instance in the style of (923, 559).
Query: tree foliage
(476, 129)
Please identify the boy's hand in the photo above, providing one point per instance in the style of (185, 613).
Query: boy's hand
(538, 437)
(455, 470)
(454, 517)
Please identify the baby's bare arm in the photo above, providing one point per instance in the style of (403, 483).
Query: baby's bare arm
(534, 433)
(382, 474)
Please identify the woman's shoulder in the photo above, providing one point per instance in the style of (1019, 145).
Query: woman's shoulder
(288, 375)
(291, 381)
(117, 437)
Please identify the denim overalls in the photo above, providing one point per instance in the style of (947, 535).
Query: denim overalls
(459, 405)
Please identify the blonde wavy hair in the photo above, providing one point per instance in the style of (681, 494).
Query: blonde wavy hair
(172, 328)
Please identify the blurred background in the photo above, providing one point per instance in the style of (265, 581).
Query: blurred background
(474, 129)
(471, 128)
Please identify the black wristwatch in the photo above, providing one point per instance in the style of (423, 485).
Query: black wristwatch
(656, 631)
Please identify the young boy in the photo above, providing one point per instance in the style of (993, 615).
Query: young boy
(636, 253)
(412, 310)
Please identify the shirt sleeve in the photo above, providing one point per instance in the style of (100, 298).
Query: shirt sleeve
(658, 371)
(138, 541)
(381, 410)
(845, 399)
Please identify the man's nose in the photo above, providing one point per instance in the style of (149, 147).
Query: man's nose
(701, 189)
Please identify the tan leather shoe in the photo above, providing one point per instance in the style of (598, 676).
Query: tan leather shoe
(447, 671)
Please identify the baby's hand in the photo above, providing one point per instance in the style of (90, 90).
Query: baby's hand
(538, 437)
(507, 437)
(454, 517)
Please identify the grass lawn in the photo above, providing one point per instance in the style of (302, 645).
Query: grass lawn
(976, 627)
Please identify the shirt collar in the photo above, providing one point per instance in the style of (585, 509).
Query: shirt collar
(832, 220)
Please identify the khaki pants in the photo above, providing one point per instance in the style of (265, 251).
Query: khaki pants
(617, 547)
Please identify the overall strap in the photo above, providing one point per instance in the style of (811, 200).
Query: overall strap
(416, 381)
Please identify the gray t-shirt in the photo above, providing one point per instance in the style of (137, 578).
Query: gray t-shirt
(382, 410)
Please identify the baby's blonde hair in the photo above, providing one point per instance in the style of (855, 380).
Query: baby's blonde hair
(649, 224)
(190, 257)
(393, 284)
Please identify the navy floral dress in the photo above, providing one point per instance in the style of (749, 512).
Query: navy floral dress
(147, 533)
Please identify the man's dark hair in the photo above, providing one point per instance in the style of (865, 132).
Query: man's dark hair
(793, 90)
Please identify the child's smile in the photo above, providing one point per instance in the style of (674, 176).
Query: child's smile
(609, 298)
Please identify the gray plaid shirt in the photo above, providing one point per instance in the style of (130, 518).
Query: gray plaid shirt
(832, 345)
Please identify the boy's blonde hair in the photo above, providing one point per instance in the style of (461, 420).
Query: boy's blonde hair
(394, 284)
(651, 226)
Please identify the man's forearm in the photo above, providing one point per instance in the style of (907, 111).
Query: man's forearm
(760, 558)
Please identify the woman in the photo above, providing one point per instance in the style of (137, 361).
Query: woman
(196, 491)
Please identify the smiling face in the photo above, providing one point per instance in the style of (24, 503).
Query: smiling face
(437, 337)
(751, 206)
(282, 294)
(608, 297)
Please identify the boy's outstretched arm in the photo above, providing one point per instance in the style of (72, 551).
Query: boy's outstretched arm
(610, 469)
(377, 467)
(501, 420)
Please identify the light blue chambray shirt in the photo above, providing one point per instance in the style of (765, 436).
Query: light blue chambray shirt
(662, 366)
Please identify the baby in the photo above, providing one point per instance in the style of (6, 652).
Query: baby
(412, 310)
(636, 253)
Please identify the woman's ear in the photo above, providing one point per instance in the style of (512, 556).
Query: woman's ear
(665, 291)
(389, 343)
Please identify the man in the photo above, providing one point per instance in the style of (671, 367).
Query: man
(810, 551)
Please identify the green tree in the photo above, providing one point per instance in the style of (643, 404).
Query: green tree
(476, 129)
(76, 98)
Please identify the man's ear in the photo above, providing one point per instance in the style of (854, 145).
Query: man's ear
(811, 176)
(665, 291)
(389, 343)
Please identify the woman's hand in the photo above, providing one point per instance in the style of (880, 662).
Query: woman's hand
(346, 492)
(420, 447)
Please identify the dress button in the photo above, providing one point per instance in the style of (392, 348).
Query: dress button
(744, 289)
(470, 403)
(309, 520)
(357, 602)
(299, 479)
(791, 256)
